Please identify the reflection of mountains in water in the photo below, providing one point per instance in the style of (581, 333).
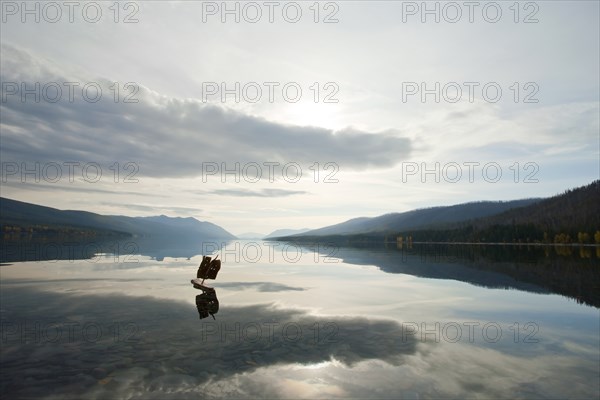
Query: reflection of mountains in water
(156, 247)
(537, 269)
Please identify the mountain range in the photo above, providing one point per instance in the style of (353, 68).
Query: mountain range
(286, 232)
(20, 217)
(572, 216)
(276, 233)
(421, 218)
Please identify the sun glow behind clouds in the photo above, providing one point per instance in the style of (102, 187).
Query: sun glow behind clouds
(362, 62)
(317, 365)
(310, 113)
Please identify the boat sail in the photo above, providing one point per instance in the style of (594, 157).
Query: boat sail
(208, 269)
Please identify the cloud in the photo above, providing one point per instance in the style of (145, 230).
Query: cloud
(157, 209)
(258, 193)
(166, 137)
(77, 187)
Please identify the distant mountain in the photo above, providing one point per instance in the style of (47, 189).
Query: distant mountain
(250, 235)
(202, 228)
(17, 216)
(286, 232)
(422, 218)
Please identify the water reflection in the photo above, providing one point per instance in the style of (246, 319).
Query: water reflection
(108, 346)
(536, 269)
(566, 270)
(157, 248)
(115, 345)
(207, 303)
(300, 330)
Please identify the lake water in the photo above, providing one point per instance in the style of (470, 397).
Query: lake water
(313, 322)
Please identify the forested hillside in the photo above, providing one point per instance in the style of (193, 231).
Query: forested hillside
(571, 217)
(20, 220)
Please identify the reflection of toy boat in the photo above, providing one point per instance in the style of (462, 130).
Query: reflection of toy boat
(207, 303)
(208, 269)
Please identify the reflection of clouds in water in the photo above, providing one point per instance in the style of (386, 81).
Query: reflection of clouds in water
(72, 280)
(132, 263)
(170, 350)
(260, 286)
(172, 354)
(493, 374)
(441, 371)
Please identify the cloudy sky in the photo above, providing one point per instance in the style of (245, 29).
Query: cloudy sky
(262, 116)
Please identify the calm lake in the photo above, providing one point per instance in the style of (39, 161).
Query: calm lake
(300, 322)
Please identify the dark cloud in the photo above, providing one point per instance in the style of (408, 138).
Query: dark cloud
(166, 137)
(67, 187)
(457, 115)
